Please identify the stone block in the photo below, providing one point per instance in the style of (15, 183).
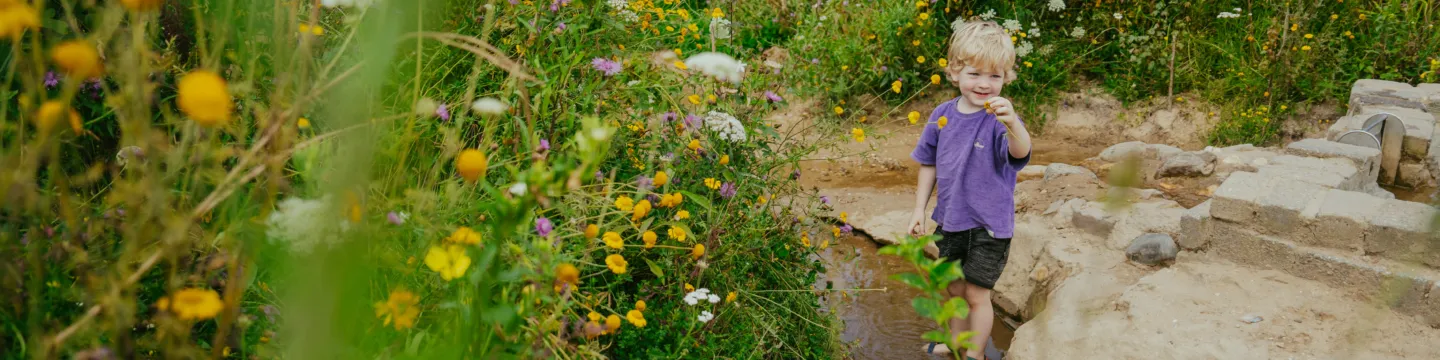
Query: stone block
(1030, 172)
(1432, 96)
(1093, 218)
(1118, 152)
(1371, 92)
(1342, 220)
(1187, 164)
(1283, 210)
(1419, 127)
(1400, 230)
(1237, 199)
(1331, 173)
(1161, 152)
(1367, 159)
(1195, 227)
(1415, 175)
(1058, 170)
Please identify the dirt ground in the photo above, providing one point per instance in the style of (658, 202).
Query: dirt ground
(1192, 310)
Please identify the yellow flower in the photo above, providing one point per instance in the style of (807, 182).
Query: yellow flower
(914, 117)
(464, 235)
(915, 43)
(698, 251)
(471, 164)
(835, 230)
(824, 244)
(942, 62)
(839, 110)
(401, 308)
(940, 124)
(681, 65)
(805, 240)
(1028, 64)
(640, 305)
(924, 16)
(195, 304)
(649, 239)
(591, 231)
(920, 59)
(1334, 17)
(710, 98)
(694, 144)
(761, 200)
(682, 215)
(1179, 99)
(51, 112)
(566, 274)
(895, 86)
(203, 97)
(1309, 36)
(612, 239)
(694, 99)
(676, 234)
(1362, 17)
(660, 179)
(77, 58)
(624, 203)
(724, 159)
(692, 26)
(316, 30)
(1294, 27)
(595, 317)
(935, 79)
(844, 67)
(616, 263)
(636, 318)
(450, 261)
(712, 183)
(1305, 48)
(1013, 39)
(730, 298)
(302, 123)
(641, 209)
(612, 323)
(858, 134)
(717, 13)
(1349, 35)
(141, 5)
(689, 288)
(844, 217)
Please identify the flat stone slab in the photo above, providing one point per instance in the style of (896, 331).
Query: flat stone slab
(1335, 175)
(1289, 205)
(1432, 96)
(1341, 221)
(1401, 230)
(1367, 159)
(1195, 227)
(1237, 199)
(1371, 92)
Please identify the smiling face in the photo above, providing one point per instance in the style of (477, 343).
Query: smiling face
(977, 86)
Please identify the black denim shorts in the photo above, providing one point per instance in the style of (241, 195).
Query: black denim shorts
(981, 256)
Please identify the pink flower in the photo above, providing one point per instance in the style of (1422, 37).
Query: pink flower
(609, 68)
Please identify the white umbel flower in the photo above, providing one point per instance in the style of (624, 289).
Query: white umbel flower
(695, 297)
(988, 14)
(489, 106)
(302, 224)
(1227, 15)
(726, 125)
(1056, 5)
(705, 316)
(721, 66)
(1024, 49)
(1077, 32)
(1012, 25)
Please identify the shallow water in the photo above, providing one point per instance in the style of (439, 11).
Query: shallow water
(880, 324)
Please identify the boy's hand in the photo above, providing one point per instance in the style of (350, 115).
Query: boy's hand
(917, 224)
(1004, 111)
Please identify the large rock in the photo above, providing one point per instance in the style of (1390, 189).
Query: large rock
(1094, 219)
(1187, 164)
(1118, 152)
(1152, 249)
(1195, 227)
(1366, 93)
(1415, 175)
(1157, 216)
(1238, 198)
(1368, 159)
(1058, 170)
(1031, 172)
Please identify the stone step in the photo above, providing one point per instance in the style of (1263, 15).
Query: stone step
(1366, 93)
(1408, 289)
(1366, 159)
(1314, 215)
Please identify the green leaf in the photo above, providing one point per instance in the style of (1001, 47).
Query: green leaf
(935, 336)
(911, 279)
(956, 307)
(927, 307)
(698, 200)
(655, 269)
(946, 272)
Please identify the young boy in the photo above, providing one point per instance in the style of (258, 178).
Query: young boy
(973, 146)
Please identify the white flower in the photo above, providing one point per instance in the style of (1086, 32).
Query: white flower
(695, 297)
(303, 224)
(489, 106)
(1035, 32)
(1056, 5)
(426, 107)
(690, 300)
(1118, 16)
(721, 66)
(618, 4)
(1078, 32)
(1227, 15)
(1012, 25)
(720, 28)
(988, 14)
(1237, 10)
(726, 125)
(337, 3)
(705, 316)
(629, 16)
(519, 188)
(714, 298)
(1024, 49)
(632, 83)
(1046, 50)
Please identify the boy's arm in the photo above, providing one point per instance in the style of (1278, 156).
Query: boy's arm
(1019, 140)
(925, 185)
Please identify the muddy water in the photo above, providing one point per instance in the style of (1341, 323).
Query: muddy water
(879, 324)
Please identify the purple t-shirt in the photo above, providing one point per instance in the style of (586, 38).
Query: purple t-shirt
(974, 172)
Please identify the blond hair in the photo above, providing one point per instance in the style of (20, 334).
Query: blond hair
(983, 45)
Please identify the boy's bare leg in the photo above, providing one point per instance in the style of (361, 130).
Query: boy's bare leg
(957, 324)
(982, 318)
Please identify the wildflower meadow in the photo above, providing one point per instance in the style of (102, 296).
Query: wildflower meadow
(536, 178)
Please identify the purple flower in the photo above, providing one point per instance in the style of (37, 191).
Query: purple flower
(670, 116)
(560, 27)
(610, 68)
(825, 200)
(847, 228)
(727, 190)
(814, 60)
(555, 6)
(443, 112)
(269, 311)
(543, 226)
(795, 175)
(599, 175)
(654, 199)
(884, 68)
(691, 121)
(644, 182)
(772, 96)
(396, 218)
(51, 80)
(544, 145)
(514, 2)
